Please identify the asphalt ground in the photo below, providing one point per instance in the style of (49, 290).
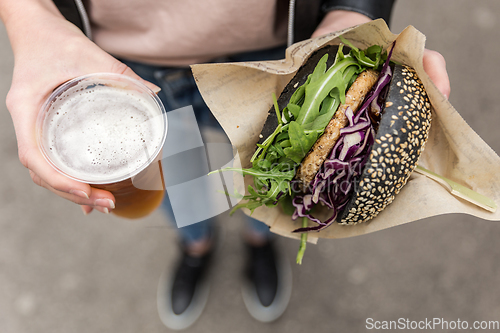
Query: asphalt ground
(61, 271)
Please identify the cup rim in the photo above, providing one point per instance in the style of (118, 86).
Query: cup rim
(114, 77)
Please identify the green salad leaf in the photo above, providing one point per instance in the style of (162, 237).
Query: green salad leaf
(300, 142)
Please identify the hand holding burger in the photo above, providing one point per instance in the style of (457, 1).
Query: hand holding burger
(434, 62)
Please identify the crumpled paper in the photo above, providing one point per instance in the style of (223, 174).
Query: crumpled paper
(240, 95)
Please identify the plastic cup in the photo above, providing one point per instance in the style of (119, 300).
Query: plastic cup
(107, 130)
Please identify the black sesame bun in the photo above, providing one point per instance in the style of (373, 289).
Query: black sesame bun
(401, 137)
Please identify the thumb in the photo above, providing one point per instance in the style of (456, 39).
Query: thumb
(435, 67)
(120, 68)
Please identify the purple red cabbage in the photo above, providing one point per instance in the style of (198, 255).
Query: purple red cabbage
(333, 184)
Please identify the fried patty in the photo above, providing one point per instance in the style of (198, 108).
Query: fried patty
(354, 97)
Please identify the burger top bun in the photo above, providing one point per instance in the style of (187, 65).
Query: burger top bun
(401, 137)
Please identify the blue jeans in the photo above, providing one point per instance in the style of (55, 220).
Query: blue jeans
(179, 90)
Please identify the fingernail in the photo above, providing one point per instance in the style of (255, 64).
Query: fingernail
(106, 203)
(102, 209)
(156, 89)
(79, 193)
(84, 211)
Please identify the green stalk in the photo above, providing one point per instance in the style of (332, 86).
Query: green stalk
(303, 242)
(460, 190)
(270, 139)
(260, 173)
(277, 109)
(266, 144)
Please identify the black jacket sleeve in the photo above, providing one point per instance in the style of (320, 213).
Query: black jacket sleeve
(69, 10)
(374, 9)
(309, 13)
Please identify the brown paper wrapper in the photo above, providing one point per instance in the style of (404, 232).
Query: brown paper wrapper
(240, 95)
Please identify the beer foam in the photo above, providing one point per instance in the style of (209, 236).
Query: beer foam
(96, 132)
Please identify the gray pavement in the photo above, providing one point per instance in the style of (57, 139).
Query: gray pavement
(61, 271)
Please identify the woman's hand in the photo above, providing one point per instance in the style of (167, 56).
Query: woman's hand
(336, 20)
(434, 63)
(48, 51)
(435, 67)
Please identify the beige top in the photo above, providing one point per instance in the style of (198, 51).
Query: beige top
(184, 32)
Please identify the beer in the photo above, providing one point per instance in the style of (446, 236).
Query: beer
(104, 130)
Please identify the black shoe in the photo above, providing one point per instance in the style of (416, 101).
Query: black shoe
(182, 295)
(268, 282)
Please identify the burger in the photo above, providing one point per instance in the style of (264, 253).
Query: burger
(344, 135)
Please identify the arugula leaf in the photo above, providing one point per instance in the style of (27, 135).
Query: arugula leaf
(285, 143)
(318, 90)
(332, 101)
(294, 109)
(319, 70)
(372, 57)
(328, 109)
(328, 103)
(282, 136)
(277, 149)
(269, 185)
(298, 95)
(340, 54)
(287, 205)
(263, 164)
(301, 142)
